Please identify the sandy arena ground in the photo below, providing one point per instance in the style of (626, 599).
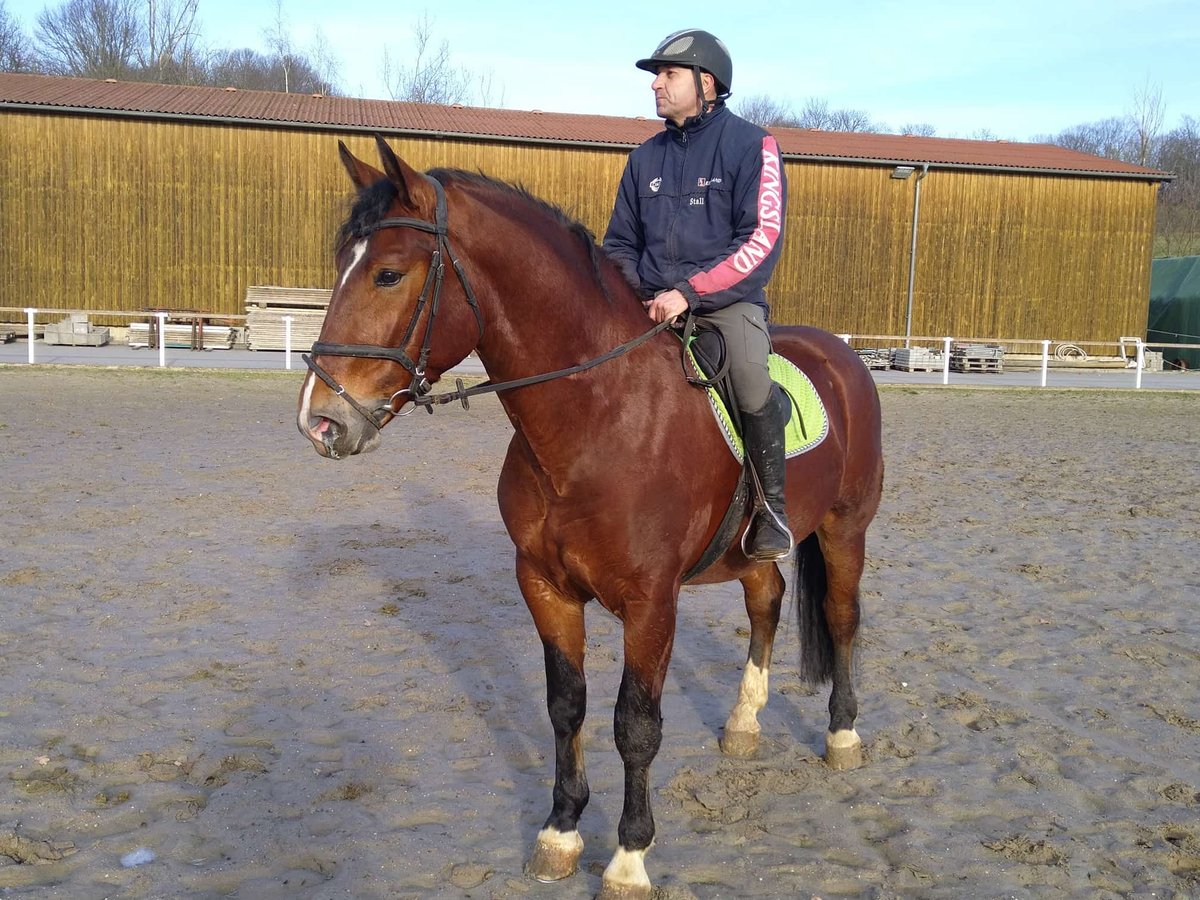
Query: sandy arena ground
(291, 678)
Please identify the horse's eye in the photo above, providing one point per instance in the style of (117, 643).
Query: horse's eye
(388, 278)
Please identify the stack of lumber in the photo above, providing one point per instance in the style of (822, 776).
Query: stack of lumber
(977, 358)
(874, 357)
(179, 335)
(266, 305)
(916, 359)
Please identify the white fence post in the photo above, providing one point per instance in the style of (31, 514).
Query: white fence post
(1141, 357)
(29, 311)
(946, 360)
(1045, 360)
(162, 339)
(287, 341)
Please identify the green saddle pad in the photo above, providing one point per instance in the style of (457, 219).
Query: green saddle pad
(809, 423)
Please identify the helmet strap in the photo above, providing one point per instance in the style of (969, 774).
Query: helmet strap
(704, 104)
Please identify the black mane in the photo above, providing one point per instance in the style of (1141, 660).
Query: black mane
(374, 202)
(370, 206)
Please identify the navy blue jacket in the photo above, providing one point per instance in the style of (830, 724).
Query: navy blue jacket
(701, 208)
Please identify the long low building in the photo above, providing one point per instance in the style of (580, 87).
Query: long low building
(127, 196)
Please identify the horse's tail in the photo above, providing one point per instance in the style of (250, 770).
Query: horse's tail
(809, 587)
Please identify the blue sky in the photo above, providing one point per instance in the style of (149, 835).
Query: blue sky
(1016, 70)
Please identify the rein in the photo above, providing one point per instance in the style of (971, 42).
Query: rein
(419, 389)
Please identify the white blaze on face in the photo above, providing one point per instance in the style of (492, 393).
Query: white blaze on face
(302, 417)
(357, 253)
(356, 256)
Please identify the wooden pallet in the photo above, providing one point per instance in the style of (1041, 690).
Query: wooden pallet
(917, 367)
(976, 365)
(266, 305)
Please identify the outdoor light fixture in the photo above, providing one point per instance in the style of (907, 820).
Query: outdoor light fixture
(902, 172)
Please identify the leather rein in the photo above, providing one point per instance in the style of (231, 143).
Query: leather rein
(419, 390)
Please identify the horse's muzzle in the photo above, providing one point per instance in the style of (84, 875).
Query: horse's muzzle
(334, 428)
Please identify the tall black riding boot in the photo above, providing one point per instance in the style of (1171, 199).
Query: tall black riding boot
(768, 536)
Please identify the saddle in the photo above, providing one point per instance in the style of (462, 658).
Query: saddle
(706, 366)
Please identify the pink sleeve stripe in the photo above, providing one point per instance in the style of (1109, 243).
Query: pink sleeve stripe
(758, 247)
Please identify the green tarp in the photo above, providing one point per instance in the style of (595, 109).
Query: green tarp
(1175, 308)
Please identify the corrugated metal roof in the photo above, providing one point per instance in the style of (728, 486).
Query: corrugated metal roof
(348, 113)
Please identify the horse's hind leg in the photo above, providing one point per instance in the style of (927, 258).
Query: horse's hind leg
(560, 623)
(764, 593)
(845, 553)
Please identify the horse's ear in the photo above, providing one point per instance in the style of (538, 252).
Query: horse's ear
(414, 190)
(360, 173)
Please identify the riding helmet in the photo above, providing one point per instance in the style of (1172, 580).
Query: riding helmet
(694, 49)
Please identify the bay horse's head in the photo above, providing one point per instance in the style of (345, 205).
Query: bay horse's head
(391, 330)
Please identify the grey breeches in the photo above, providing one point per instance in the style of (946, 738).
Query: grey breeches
(747, 345)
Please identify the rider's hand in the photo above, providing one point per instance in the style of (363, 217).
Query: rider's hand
(666, 306)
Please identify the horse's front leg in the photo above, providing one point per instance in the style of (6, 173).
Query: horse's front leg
(637, 726)
(560, 624)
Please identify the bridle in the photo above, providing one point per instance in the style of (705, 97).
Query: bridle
(431, 293)
(419, 388)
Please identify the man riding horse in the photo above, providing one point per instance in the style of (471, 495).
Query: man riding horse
(698, 226)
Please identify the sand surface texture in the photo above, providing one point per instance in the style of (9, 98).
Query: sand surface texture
(280, 676)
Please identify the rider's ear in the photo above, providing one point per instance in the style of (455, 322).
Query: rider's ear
(360, 173)
(413, 189)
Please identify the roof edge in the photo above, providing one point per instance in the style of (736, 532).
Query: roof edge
(294, 125)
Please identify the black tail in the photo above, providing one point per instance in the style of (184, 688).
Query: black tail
(809, 587)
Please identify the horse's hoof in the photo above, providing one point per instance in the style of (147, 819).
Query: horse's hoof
(555, 855)
(742, 744)
(626, 878)
(613, 891)
(843, 749)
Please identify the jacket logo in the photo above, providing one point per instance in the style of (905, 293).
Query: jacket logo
(656, 184)
(705, 182)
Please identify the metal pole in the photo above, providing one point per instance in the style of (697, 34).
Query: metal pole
(1141, 362)
(946, 360)
(1045, 360)
(912, 256)
(29, 311)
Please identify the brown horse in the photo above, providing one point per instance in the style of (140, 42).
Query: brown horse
(616, 479)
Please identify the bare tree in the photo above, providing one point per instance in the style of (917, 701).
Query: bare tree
(764, 111)
(1112, 138)
(918, 129)
(16, 54)
(323, 62)
(433, 77)
(279, 39)
(486, 86)
(170, 53)
(1178, 225)
(817, 114)
(90, 38)
(254, 71)
(1147, 121)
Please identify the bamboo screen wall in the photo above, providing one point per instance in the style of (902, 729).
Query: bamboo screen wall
(106, 213)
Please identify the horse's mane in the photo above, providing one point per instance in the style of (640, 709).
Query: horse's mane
(371, 205)
(518, 192)
(374, 201)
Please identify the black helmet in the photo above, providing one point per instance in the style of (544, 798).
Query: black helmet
(693, 49)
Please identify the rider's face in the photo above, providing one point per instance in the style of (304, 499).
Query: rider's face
(675, 93)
